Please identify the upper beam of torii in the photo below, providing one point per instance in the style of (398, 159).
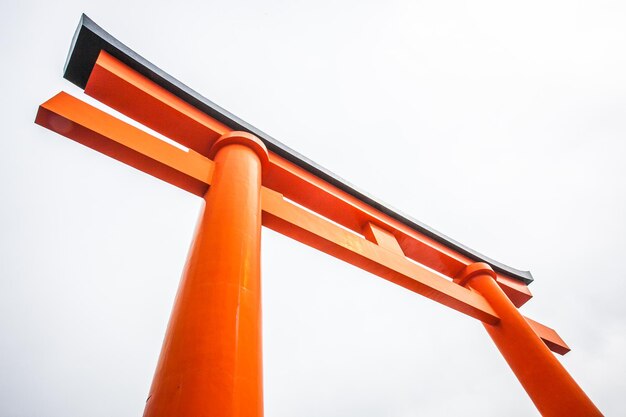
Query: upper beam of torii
(297, 198)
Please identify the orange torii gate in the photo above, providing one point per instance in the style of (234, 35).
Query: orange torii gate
(211, 362)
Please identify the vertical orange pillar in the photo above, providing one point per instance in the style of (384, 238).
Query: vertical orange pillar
(549, 385)
(210, 363)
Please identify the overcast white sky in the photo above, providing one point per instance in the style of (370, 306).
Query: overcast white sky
(501, 124)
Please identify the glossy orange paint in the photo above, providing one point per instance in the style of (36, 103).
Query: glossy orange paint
(127, 91)
(99, 130)
(92, 127)
(191, 171)
(382, 238)
(549, 336)
(312, 230)
(211, 360)
(551, 388)
(210, 364)
(116, 85)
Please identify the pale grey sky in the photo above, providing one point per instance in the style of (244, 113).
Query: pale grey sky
(501, 124)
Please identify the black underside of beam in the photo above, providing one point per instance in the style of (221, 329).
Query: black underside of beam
(90, 39)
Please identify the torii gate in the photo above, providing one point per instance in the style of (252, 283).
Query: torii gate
(211, 362)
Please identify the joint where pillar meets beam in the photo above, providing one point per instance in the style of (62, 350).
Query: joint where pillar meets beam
(192, 171)
(551, 388)
(313, 230)
(90, 41)
(116, 85)
(211, 361)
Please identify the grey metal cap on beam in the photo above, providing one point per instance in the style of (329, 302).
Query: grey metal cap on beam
(90, 39)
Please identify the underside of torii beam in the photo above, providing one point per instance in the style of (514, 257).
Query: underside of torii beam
(210, 363)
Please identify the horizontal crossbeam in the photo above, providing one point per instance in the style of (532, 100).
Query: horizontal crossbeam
(192, 171)
(99, 130)
(116, 85)
(90, 40)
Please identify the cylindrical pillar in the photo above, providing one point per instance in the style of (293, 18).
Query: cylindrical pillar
(211, 359)
(549, 385)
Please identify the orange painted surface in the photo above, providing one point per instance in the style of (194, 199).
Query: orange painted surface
(549, 336)
(211, 360)
(517, 291)
(549, 385)
(116, 84)
(84, 123)
(305, 227)
(98, 130)
(382, 238)
(121, 88)
(191, 171)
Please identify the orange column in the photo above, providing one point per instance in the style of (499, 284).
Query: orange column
(549, 385)
(210, 363)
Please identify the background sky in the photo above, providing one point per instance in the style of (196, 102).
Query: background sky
(500, 124)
